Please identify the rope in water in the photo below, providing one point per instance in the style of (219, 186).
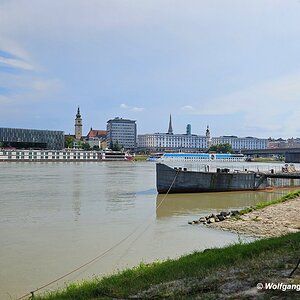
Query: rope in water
(103, 253)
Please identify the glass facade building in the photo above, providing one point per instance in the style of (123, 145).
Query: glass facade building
(31, 138)
(123, 131)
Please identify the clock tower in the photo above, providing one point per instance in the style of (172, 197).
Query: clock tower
(78, 125)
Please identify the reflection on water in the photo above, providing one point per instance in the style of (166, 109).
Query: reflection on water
(117, 184)
(185, 204)
(76, 187)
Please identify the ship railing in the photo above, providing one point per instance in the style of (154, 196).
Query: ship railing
(236, 168)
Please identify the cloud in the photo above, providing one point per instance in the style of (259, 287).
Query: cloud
(134, 109)
(188, 108)
(271, 105)
(125, 106)
(46, 85)
(15, 63)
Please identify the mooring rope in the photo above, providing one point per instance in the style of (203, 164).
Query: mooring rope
(150, 222)
(103, 253)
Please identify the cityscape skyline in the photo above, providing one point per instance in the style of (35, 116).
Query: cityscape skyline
(230, 64)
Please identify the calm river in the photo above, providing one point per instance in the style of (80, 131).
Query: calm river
(55, 217)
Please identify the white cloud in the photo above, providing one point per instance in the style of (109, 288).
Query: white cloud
(13, 47)
(134, 109)
(15, 63)
(188, 108)
(46, 85)
(272, 105)
(123, 105)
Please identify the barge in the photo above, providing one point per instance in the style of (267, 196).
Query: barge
(182, 180)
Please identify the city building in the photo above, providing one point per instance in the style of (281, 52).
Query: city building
(97, 138)
(78, 125)
(122, 132)
(31, 138)
(160, 142)
(240, 143)
(282, 143)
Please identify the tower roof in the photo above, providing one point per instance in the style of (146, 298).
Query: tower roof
(170, 130)
(78, 115)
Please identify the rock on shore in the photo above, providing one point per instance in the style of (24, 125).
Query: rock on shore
(273, 220)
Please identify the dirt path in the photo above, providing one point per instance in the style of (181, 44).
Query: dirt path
(273, 220)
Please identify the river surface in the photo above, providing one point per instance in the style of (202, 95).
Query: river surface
(55, 217)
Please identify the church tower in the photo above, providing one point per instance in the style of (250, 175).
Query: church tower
(170, 130)
(78, 125)
(208, 137)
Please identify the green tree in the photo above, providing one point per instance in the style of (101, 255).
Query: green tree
(86, 146)
(69, 141)
(116, 146)
(221, 148)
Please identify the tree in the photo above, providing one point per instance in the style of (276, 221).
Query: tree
(69, 141)
(116, 146)
(221, 148)
(86, 146)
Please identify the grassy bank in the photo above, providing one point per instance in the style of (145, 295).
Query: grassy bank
(266, 160)
(141, 157)
(263, 204)
(211, 274)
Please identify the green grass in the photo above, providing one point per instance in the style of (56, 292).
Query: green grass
(266, 159)
(253, 258)
(263, 204)
(140, 157)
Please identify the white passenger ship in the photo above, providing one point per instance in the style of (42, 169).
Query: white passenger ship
(201, 157)
(61, 155)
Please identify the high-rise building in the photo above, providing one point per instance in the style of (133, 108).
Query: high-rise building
(123, 132)
(78, 125)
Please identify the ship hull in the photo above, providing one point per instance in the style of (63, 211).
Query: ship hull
(169, 180)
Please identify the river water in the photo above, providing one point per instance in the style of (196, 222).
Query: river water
(55, 217)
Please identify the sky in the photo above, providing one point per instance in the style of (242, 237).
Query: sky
(231, 64)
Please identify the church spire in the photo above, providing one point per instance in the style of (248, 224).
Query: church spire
(170, 130)
(78, 113)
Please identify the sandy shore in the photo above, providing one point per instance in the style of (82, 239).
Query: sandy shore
(273, 220)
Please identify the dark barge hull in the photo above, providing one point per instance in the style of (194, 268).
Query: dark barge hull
(199, 182)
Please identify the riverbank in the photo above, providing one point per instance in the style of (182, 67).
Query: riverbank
(265, 220)
(232, 272)
(140, 157)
